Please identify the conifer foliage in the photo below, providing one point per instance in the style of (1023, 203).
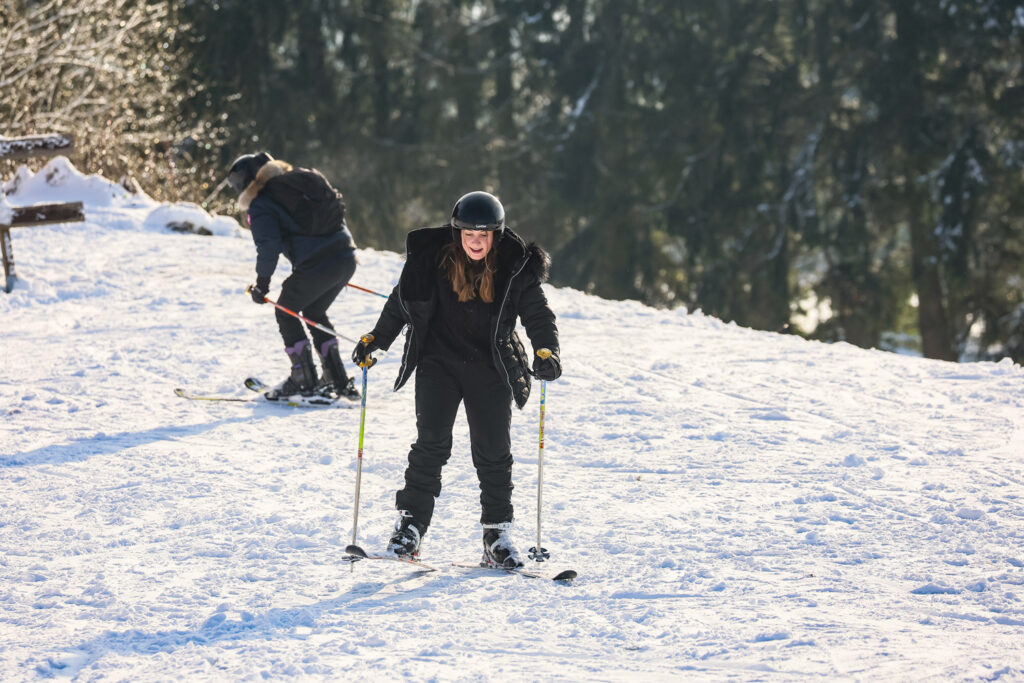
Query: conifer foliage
(848, 169)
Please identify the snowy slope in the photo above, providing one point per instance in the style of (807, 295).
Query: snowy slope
(740, 505)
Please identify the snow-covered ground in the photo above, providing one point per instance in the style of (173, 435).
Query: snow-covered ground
(739, 504)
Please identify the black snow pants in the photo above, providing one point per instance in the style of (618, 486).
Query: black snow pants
(311, 289)
(441, 385)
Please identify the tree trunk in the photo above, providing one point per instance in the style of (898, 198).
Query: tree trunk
(932, 317)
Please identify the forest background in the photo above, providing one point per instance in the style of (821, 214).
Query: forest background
(849, 170)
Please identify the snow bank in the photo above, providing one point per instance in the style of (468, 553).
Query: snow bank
(740, 505)
(60, 181)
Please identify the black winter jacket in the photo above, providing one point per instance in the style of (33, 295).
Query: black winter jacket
(274, 232)
(521, 270)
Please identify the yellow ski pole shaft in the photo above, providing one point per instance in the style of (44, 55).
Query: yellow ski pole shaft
(365, 365)
(359, 462)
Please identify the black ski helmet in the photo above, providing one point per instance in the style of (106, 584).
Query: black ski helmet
(478, 211)
(244, 170)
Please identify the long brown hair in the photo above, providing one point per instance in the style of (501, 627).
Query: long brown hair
(469, 278)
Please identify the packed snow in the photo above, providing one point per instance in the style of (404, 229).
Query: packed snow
(738, 504)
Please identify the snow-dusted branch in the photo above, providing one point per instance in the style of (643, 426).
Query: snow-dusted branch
(105, 71)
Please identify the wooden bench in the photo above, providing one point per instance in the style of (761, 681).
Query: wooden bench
(33, 146)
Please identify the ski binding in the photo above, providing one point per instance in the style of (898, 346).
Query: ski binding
(298, 400)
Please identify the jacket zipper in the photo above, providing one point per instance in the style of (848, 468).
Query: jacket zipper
(412, 330)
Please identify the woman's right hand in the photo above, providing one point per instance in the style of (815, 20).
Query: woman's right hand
(361, 353)
(546, 365)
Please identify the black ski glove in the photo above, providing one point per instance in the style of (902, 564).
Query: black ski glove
(546, 365)
(361, 354)
(258, 291)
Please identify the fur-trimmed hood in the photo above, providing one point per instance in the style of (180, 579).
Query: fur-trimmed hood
(511, 249)
(520, 270)
(269, 170)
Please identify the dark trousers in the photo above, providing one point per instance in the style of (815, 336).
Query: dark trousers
(310, 290)
(441, 385)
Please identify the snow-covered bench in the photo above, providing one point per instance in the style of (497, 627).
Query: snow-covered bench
(38, 214)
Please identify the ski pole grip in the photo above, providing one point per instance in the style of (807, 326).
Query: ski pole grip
(544, 354)
(368, 360)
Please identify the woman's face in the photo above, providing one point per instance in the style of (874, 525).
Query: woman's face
(477, 243)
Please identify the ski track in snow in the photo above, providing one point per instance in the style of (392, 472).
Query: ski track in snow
(740, 505)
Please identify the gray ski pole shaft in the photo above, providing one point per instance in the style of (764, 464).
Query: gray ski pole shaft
(539, 553)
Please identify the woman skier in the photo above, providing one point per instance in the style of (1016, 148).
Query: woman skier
(323, 261)
(461, 290)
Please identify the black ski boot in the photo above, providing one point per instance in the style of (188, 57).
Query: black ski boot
(335, 383)
(498, 548)
(405, 540)
(302, 381)
(348, 391)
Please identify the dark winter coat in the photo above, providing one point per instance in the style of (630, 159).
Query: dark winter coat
(274, 232)
(521, 269)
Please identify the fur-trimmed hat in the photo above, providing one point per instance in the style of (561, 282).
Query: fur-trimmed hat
(266, 172)
(244, 169)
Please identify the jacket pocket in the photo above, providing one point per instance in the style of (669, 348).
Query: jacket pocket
(518, 354)
(514, 359)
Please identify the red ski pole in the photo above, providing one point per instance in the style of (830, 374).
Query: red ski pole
(322, 328)
(368, 291)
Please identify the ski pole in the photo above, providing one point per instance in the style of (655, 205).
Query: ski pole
(368, 291)
(303, 318)
(359, 462)
(539, 553)
(365, 365)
